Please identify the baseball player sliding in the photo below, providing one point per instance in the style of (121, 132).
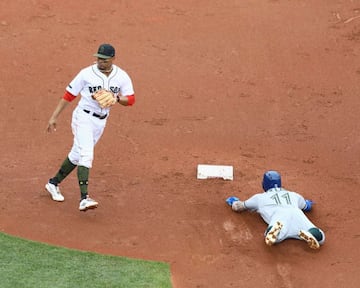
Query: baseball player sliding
(100, 86)
(283, 211)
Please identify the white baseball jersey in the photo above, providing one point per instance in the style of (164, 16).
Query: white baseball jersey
(278, 204)
(88, 129)
(90, 79)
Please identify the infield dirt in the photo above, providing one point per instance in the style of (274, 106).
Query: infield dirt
(254, 84)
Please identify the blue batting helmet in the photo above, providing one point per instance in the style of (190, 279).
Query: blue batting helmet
(272, 179)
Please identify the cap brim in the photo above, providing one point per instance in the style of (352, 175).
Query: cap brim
(102, 56)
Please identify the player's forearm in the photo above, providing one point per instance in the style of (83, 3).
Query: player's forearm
(59, 108)
(126, 100)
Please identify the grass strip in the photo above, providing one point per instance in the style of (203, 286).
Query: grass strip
(28, 264)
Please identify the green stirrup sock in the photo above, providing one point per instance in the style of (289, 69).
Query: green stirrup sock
(83, 177)
(316, 233)
(66, 168)
(268, 229)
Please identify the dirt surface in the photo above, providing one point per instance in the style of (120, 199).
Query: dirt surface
(257, 84)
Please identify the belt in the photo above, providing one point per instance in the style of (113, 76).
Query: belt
(95, 115)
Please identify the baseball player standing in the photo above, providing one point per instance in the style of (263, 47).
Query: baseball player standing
(283, 211)
(89, 118)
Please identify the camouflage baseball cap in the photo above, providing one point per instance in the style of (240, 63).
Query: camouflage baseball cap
(105, 51)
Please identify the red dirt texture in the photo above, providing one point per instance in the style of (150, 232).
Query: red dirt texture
(256, 84)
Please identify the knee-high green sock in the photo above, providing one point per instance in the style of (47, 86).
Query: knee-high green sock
(83, 177)
(66, 168)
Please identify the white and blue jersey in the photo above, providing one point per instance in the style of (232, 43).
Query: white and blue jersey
(279, 204)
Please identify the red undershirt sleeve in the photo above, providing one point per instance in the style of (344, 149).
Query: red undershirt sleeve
(131, 99)
(68, 96)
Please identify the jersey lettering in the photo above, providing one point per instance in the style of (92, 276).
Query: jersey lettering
(114, 90)
(286, 196)
(94, 89)
(278, 201)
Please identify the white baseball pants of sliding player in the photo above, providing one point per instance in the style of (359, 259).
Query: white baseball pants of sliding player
(293, 220)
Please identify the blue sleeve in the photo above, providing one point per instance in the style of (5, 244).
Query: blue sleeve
(308, 205)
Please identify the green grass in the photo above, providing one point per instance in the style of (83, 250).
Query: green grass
(27, 264)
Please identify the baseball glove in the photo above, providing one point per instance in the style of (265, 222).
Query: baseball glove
(105, 98)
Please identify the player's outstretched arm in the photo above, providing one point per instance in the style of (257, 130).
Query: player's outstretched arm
(59, 108)
(236, 204)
